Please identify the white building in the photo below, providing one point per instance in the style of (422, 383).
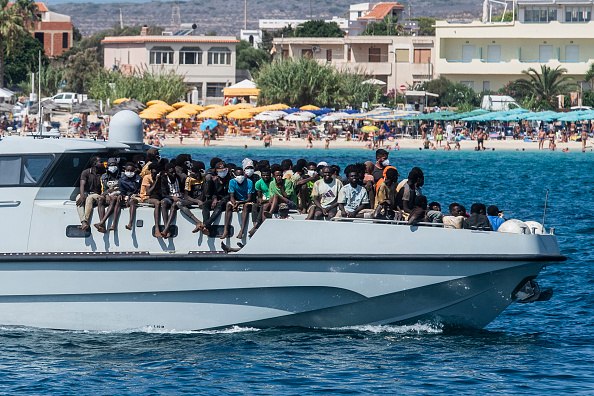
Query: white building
(394, 60)
(487, 55)
(207, 62)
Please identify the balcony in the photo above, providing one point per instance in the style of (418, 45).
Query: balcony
(507, 67)
(374, 68)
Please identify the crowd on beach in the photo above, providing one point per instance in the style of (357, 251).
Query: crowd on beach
(260, 190)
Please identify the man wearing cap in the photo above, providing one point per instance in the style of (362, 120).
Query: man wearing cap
(216, 194)
(110, 196)
(495, 217)
(241, 197)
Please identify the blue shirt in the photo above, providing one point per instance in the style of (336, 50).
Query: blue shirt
(130, 187)
(242, 190)
(496, 221)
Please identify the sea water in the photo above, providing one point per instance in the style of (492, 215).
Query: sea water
(540, 348)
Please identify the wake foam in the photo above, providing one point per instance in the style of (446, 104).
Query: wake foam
(417, 328)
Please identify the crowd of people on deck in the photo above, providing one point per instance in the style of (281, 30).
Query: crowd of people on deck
(260, 190)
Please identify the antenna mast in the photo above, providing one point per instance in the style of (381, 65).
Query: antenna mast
(121, 20)
(175, 17)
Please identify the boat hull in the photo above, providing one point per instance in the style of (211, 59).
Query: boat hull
(116, 292)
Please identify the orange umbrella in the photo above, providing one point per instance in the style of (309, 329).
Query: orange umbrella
(309, 107)
(212, 106)
(180, 104)
(240, 114)
(120, 100)
(180, 113)
(154, 102)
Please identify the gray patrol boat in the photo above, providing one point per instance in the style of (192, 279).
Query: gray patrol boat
(53, 275)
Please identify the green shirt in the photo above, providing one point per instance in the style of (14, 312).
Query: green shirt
(264, 187)
(289, 190)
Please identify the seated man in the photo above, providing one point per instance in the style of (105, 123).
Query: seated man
(385, 197)
(89, 191)
(495, 217)
(129, 185)
(111, 196)
(478, 218)
(434, 214)
(216, 193)
(193, 195)
(456, 216)
(419, 212)
(325, 196)
(241, 197)
(262, 188)
(408, 189)
(352, 198)
(305, 186)
(283, 212)
(172, 192)
(281, 191)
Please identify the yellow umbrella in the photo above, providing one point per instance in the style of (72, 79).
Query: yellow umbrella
(149, 116)
(369, 128)
(240, 114)
(189, 110)
(180, 104)
(244, 106)
(120, 100)
(179, 113)
(162, 106)
(212, 106)
(310, 107)
(194, 107)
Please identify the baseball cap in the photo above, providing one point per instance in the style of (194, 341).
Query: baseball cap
(221, 165)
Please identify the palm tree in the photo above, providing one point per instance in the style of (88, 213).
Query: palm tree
(589, 76)
(14, 22)
(544, 87)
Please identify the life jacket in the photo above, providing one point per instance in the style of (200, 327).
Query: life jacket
(380, 181)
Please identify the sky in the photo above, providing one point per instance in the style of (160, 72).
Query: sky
(50, 2)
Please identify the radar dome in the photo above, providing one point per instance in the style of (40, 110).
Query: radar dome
(514, 226)
(125, 127)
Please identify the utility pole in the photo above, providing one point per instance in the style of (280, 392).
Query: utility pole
(310, 11)
(245, 15)
(121, 20)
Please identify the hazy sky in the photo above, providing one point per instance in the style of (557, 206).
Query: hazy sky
(50, 2)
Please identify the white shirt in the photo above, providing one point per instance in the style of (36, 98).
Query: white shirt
(352, 198)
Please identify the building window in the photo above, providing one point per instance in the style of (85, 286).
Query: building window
(572, 53)
(545, 53)
(161, 56)
(494, 53)
(468, 52)
(328, 55)
(422, 56)
(540, 14)
(215, 90)
(375, 55)
(578, 14)
(402, 56)
(468, 83)
(65, 40)
(349, 56)
(41, 37)
(219, 56)
(190, 56)
(486, 86)
(307, 53)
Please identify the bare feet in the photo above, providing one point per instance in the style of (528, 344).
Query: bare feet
(158, 234)
(252, 231)
(100, 227)
(225, 235)
(240, 235)
(83, 226)
(113, 228)
(129, 227)
(198, 228)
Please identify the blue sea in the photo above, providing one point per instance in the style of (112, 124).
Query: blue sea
(542, 348)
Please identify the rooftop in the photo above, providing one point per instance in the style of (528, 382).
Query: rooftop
(381, 10)
(170, 39)
(40, 6)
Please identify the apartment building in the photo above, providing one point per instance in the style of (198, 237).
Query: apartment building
(395, 60)
(487, 55)
(53, 30)
(207, 62)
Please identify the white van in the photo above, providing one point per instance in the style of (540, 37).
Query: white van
(64, 99)
(499, 102)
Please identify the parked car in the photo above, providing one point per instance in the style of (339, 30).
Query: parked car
(64, 99)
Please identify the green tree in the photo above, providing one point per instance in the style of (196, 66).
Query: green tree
(426, 25)
(302, 81)
(452, 94)
(544, 87)
(23, 60)
(251, 58)
(14, 24)
(267, 36)
(589, 76)
(82, 67)
(389, 26)
(318, 28)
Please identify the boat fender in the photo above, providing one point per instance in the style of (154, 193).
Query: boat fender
(514, 226)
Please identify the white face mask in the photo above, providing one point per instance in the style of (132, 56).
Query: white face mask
(240, 179)
(112, 169)
(189, 164)
(222, 173)
(311, 173)
(249, 172)
(386, 162)
(129, 174)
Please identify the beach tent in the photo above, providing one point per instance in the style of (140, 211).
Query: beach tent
(242, 88)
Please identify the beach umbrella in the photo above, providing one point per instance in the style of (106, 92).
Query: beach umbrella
(298, 117)
(7, 107)
(120, 100)
(240, 114)
(374, 81)
(267, 116)
(155, 101)
(88, 106)
(179, 113)
(212, 106)
(208, 124)
(177, 105)
(333, 117)
(369, 128)
(150, 116)
(307, 114)
(309, 107)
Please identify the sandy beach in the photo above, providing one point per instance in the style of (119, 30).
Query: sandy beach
(404, 143)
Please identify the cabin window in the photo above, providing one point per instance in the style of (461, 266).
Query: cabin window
(67, 172)
(25, 171)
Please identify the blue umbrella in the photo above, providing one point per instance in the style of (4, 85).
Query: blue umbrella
(208, 124)
(291, 110)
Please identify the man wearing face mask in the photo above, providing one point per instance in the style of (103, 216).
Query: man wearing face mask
(130, 184)
(381, 161)
(216, 194)
(111, 196)
(194, 195)
(250, 173)
(241, 197)
(305, 186)
(89, 191)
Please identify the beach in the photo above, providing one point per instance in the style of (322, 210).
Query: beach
(403, 143)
